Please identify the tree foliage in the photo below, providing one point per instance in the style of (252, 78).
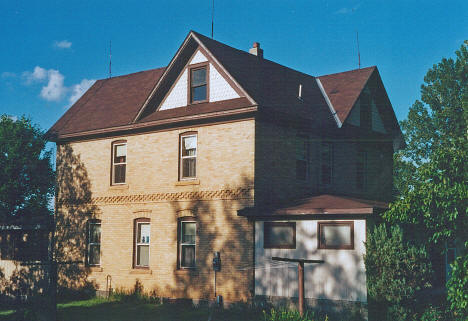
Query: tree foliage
(26, 175)
(432, 172)
(397, 273)
(457, 287)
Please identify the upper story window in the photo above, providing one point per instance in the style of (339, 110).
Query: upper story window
(188, 156)
(142, 242)
(187, 243)
(94, 243)
(198, 82)
(326, 163)
(302, 157)
(361, 169)
(119, 162)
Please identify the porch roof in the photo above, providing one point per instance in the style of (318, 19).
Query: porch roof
(321, 205)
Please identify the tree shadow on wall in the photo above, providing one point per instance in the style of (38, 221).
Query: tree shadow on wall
(73, 211)
(219, 229)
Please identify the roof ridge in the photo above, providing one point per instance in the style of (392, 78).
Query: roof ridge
(347, 71)
(133, 73)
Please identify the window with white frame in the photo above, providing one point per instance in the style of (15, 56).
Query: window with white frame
(187, 243)
(94, 243)
(119, 162)
(188, 156)
(142, 242)
(302, 157)
(326, 163)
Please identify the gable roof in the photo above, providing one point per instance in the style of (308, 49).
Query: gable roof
(344, 88)
(130, 101)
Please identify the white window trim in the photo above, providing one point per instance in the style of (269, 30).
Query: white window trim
(114, 148)
(181, 169)
(137, 243)
(92, 243)
(181, 245)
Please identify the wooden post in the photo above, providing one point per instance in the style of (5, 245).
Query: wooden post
(300, 270)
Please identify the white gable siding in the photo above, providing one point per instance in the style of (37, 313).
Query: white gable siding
(198, 58)
(341, 277)
(377, 123)
(219, 87)
(178, 95)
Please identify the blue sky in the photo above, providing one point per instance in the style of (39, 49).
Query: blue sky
(51, 51)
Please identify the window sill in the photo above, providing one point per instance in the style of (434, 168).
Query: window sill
(119, 187)
(188, 182)
(141, 271)
(190, 271)
(95, 268)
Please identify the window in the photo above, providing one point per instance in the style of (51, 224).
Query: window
(94, 242)
(302, 157)
(188, 156)
(187, 243)
(326, 163)
(336, 235)
(198, 84)
(142, 242)
(361, 169)
(119, 162)
(279, 235)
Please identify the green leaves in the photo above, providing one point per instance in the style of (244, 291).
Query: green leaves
(457, 287)
(26, 176)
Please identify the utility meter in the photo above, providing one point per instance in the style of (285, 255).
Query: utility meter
(216, 261)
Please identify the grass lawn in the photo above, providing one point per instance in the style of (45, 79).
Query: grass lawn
(112, 310)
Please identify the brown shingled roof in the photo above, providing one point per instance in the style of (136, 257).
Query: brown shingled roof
(108, 103)
(344, 88)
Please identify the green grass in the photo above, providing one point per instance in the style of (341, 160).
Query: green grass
(113, 310)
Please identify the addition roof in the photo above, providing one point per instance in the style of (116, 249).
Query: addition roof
(323, 205)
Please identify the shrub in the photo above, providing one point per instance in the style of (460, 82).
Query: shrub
(288, 315)
(457, 288)
(397, 272)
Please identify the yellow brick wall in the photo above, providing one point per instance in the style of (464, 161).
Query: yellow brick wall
(225, 170)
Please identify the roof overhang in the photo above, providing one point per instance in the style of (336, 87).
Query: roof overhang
(317, 207)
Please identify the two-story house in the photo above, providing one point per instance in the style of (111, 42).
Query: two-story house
(224, 151)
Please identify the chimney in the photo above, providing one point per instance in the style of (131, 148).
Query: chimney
(255, 50)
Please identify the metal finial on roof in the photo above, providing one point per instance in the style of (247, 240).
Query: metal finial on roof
(212, 19)
(358, 52)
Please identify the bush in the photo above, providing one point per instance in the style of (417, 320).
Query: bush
(397, 273)
(137, 294)
(288, 315)
(457, 288)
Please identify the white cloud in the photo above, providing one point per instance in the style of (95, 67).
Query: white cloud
(54, 90)
(63, 44)
(79, 89)
(38, 74)
(13, 117)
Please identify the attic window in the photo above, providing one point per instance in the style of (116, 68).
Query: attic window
(198, 84)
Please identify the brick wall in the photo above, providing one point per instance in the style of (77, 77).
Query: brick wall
(225, 175)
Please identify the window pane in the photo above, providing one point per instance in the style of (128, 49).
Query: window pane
(279, 235)
(199, 93)
(119, 173)
(143, 233)
(94, 254)
(94, 233)
(189, 146)
(198, 77)
(188, 256)
(189, 167)
(143, 255)
(120, 153)
(336, 235)
(188, 232)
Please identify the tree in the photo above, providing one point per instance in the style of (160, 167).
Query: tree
(26, 175)
(432, 172)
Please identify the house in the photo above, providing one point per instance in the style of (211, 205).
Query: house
(224, 151)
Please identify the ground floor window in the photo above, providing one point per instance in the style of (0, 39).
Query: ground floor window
(187, 243)
(94, 242)
(279, 235)
(142, 242)
(336, 235)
